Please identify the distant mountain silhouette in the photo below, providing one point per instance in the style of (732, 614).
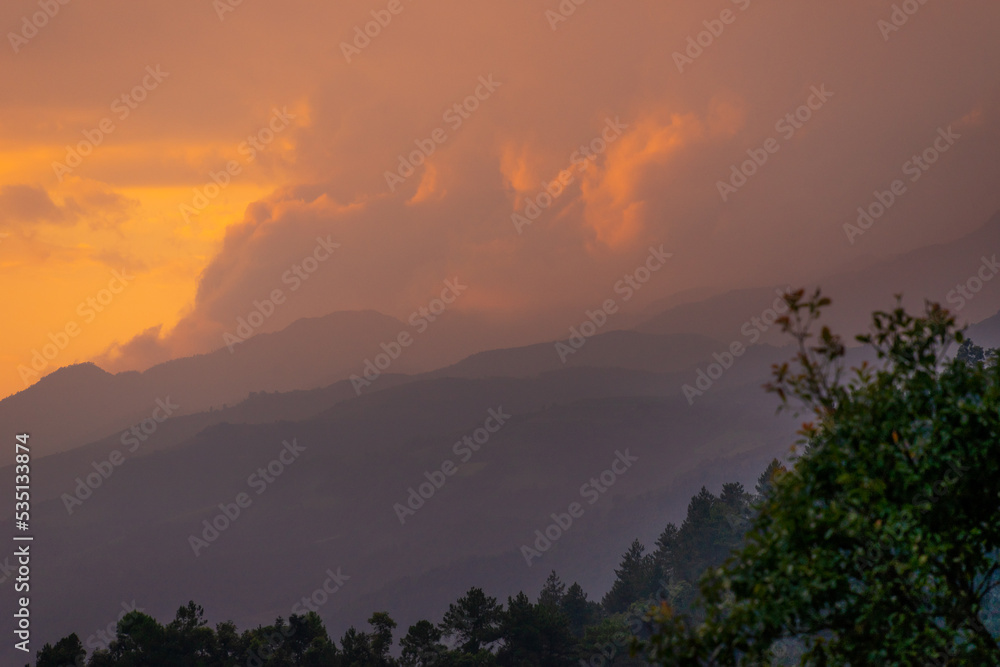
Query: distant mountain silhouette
(930, 272)
(335, 506)
(77, 404)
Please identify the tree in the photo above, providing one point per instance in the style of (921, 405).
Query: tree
(580, 612)
(634, 579)
(422, 645)
(666, 553)
(765, 482)
(381, 639)
(188, 636)
(140, 641)
(971, 353)
(66, 652)
(473, 620)
(356, 648)
(880, 545)
(534, 635)
(552, 592)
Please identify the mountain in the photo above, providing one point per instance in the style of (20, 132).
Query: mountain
(78, 404)
(987, 332)
(333, 502)
(932, 272)
(316, 352)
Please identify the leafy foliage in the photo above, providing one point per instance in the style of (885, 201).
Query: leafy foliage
(881, 545)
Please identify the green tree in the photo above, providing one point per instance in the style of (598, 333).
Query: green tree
(356, 648)
(67, 651)
(971, 353)
(534, 635)
(579, 611)
(765, 482)
(635, 578)
(381, 639)
(140, 641)
(552, 592)
(473, 620)
(880, 545)
(422, 645)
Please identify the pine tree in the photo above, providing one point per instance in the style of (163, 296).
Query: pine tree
(473, 619)
(552, 592)
(580, 611)
(635, 579)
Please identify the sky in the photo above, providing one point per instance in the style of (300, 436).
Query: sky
(166, 167)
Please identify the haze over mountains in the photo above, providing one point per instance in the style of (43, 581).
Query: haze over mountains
(120, 513)
(317, 352)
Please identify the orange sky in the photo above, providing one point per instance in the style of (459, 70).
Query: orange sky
(266, 91)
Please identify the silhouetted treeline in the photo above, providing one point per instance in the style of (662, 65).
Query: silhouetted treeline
(562, 626)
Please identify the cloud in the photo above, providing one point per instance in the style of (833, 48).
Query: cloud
(27, 204)
(656, 184)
